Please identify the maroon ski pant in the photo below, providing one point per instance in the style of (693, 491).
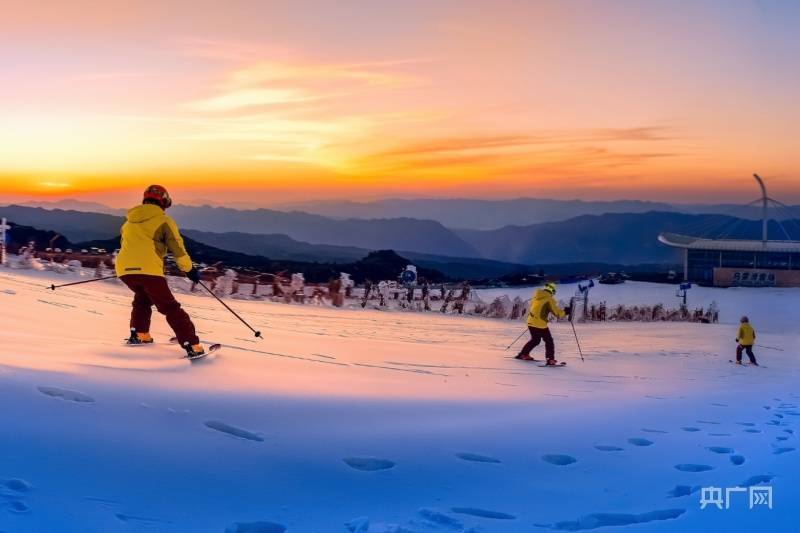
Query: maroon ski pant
(153, 290)
(538, 335)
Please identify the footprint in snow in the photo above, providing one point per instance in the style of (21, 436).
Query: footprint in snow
(690, 467)
(719, 449)
(103, 502)
(682, 490)
(720, 434)
(690, 429)
(17, 485)
(558, 459)
(17, 506)
(255, 527)
(752, 430)
(437, 518)
(640, 442)
(607, 448)
(778, 451)
(368, 464)
(477, 458)
(748, 424)
(240, 433)
(66, 394)
(648, 430)
(756, 480)
(738, 460)
(483, 513)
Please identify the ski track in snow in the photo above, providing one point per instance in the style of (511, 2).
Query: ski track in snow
(598, 520)
(234, 431)
(66, 394)
(477, 458)
(15, 493)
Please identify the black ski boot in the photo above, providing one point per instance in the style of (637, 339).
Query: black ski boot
(193, 352)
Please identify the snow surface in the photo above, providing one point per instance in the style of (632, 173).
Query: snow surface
(368, 421)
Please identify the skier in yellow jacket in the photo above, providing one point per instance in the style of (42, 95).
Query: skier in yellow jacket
(543, 305)
(146, 237)
(746, 337)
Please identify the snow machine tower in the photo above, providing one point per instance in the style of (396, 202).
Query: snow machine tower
(4, 238)
(764, 202)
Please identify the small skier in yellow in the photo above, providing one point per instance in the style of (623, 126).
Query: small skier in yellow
(543, 305)
(746, 337)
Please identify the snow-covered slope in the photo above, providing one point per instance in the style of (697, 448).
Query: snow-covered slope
(385, 421)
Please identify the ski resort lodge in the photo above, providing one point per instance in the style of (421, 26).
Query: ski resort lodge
(738, 262)
(732, 263)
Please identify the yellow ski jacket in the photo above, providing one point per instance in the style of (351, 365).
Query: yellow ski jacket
(146, 237)
(542, 306)
(746, 335)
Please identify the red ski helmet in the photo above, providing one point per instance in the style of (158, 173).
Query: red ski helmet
(158, 194)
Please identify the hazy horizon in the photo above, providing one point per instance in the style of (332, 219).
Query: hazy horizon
(126, 200)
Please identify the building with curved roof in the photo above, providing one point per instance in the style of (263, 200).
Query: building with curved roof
(739, 262)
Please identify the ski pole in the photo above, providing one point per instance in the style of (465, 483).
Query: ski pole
(515, 340)
(54, 287)
(576, 339)
(257, 333)
(770, 347)
(571, 323)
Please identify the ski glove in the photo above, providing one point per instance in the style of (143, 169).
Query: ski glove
(194, 275)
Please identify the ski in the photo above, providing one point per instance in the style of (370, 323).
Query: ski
(746, 364)
(211, 348)
(557, 365)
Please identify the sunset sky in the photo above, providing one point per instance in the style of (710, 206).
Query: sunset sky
(265, 102)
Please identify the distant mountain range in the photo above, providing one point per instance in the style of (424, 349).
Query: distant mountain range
(616, 238)
(475, 214)
(251, 250)
(456, 213)
(424, 236)
(495, 214)
(398, 234)
(282, 247)
(76, 205)
(74, 225)
(624, 238)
